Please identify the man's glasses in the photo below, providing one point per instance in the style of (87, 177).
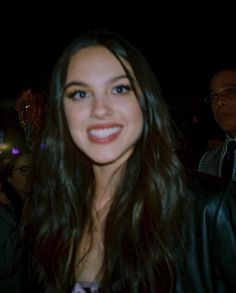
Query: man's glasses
(24, 170)
(226, 93)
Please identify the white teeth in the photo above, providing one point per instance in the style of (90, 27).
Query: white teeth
(104, 132)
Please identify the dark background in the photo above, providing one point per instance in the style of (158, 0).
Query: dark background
(184, 45)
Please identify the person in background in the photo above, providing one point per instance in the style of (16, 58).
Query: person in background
(16, 188)
(220, 160)
(111, 208)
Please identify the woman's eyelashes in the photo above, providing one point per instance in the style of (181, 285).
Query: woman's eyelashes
(78, 94)
(121, 89)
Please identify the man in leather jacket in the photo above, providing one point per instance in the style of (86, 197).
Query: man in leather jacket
(210, 241)
(221, 159)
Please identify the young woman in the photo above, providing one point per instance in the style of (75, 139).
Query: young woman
(109, 196)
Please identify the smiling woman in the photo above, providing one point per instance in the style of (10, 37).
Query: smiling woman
(102, 111)
(110, 201)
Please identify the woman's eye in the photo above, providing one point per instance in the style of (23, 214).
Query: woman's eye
(121, 89)
(78, 95)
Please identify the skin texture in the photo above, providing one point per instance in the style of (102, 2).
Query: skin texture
(224, 108)
(103, 116)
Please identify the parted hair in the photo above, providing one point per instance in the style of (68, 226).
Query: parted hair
(142, 225)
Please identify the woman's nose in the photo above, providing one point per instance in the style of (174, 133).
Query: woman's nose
(101, 107)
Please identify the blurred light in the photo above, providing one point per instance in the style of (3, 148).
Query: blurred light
(15, 151)
(42, 146)
(4, 146)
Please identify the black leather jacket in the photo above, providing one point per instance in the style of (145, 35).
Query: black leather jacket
(210, 242)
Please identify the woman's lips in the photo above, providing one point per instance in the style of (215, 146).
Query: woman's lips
(104, 133)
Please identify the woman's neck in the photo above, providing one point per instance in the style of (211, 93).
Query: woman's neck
(107, 177)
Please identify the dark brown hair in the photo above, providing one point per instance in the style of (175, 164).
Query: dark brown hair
(144, 217)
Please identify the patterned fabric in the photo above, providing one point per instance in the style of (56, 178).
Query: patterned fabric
(228, 163)
(211, 162)
(85, 287)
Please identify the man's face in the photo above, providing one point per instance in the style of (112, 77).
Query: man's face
(223, 87)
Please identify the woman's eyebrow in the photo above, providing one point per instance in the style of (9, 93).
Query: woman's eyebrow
(81, 83)
(77, 83)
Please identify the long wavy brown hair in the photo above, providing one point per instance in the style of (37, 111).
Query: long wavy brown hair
(142, 225)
